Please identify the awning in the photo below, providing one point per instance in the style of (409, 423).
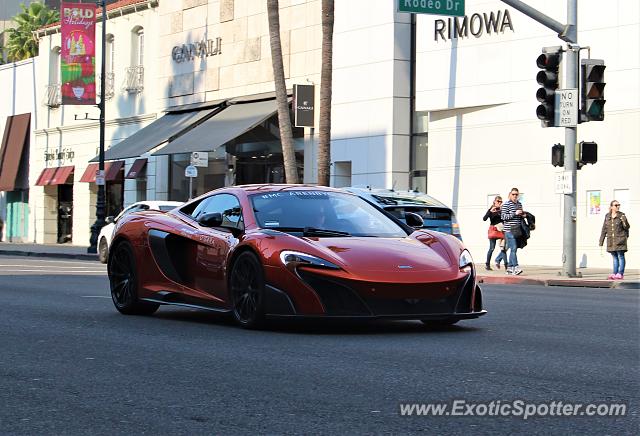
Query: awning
(13, 168)
(45, 176)
(136, 169)
(221, 128)
(61, 175)
(161, 130)
(55, 176)
(111, 171)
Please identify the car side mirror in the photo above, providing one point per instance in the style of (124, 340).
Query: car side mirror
(413, 220)
(109, 219)
(210, 219)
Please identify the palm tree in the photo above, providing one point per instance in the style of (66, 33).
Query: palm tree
(284, 119)
(22, 44)
(326, 74)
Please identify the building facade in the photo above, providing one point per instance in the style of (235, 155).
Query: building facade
(452, 113)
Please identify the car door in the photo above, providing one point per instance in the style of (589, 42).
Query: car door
(213, 245)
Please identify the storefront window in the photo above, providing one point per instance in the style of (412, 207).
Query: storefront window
(209, 178)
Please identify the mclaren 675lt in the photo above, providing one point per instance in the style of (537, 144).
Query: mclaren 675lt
(286, 251)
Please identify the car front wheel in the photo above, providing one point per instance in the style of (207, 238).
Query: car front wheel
(123, 280)
(246, 291)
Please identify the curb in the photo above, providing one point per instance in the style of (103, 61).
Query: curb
(56, 255)
(576, 283)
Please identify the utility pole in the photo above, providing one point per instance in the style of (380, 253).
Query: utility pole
(100, 204)
(569, 33)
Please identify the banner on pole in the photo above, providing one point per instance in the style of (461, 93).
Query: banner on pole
(78, 54)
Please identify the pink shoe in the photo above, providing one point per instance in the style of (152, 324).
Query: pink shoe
(618, 276)
(611, 277)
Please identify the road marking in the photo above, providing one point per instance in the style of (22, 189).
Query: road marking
(49, 266)
(95, 296)
(59, 261)
(54, 271)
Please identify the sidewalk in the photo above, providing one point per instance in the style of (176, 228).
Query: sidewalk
(552, 276)
(532, 275)
(46, 250)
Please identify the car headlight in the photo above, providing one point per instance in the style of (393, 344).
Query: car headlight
(465, 259)
(295, 258)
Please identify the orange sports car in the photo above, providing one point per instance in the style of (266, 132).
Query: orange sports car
(285, 251)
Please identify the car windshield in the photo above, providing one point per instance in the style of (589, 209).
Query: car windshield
(167, 208)
(322, 214)
(434, 217)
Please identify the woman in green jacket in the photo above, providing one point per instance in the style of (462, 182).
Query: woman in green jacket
(616, 229)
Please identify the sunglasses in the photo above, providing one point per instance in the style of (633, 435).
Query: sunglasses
(498, 201)
(514, 193)
(616, 205)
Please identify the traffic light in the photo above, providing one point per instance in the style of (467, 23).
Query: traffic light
(588, 152)
(547, 77)
(557, 155)
(592, 90)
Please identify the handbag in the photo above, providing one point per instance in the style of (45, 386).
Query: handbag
(494, 233)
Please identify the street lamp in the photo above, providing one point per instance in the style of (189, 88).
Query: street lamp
(100, 205)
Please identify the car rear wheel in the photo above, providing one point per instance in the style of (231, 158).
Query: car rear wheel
(123, 280)
(103, 251)
(246, 291)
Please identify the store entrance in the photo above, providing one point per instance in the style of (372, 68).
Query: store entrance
(264, 169)
(65, 213)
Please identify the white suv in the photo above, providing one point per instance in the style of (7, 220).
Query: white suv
(106, 233)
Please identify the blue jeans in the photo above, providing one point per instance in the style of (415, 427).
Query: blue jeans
(500, 257)
(512, 246)
(618, 262)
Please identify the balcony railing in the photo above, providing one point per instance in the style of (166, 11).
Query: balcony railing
(134, 81)
(52, 95)
(109, 88)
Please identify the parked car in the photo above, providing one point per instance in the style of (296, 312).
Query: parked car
(106, 233)
(286, 251)
(435, 214)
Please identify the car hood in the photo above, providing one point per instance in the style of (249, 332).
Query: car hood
(385, 254)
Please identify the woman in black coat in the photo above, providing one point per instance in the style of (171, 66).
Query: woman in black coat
(616, 229)
(493, 215)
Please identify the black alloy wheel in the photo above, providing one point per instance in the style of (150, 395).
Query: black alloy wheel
(246, 291)
(103, 251)
(123, 279)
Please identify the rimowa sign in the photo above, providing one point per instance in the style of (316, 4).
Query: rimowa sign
(475, 25)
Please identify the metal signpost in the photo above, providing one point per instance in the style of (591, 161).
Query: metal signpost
(191, 172)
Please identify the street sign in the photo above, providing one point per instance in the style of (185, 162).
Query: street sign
(100, 177)
(566, 114)
(435, 7)
(191, 171)
(564, 183)
(200, 159)
(303, 101)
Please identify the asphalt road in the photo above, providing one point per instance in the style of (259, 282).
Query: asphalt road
(70, 364)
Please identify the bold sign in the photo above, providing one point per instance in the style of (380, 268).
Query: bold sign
(202, 49)
(436, 7)
(475, 25)
(78, 57)
(303, 105)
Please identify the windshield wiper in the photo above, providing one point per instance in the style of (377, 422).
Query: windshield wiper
(313, 231)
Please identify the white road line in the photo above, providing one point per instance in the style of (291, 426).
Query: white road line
(49, 266)
(96, 296)
(60, 261)
(54, 271)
